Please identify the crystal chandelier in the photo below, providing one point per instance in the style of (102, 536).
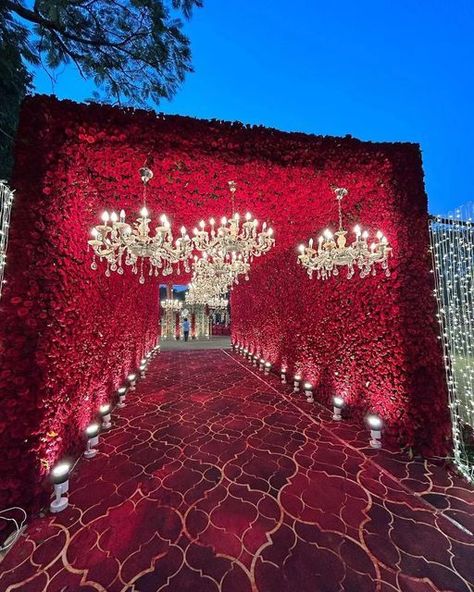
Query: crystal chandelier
(191, 299)
(209, 286)
(332, 253)
(225, 270)
(171, 305)
(120, 244)
(232, 236)
(217, 303)
(199, 295)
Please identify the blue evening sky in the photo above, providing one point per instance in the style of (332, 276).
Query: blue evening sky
(388, 70)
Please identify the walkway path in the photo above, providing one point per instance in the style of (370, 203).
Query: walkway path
(212, 480)
(215, 342)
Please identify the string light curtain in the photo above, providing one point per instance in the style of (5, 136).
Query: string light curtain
(6, 201)
(452, 246)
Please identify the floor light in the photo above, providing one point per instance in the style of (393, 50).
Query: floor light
(375, 424)
(60, 479)
(104, 411)
(338, 404)
(308, 391)
(296, 383)
(92, 433)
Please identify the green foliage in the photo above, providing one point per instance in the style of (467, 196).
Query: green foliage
(135, 51)
(15, 82)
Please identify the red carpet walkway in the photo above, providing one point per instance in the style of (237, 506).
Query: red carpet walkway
(211, 480)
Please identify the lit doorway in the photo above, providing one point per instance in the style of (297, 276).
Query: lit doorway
(207, 322)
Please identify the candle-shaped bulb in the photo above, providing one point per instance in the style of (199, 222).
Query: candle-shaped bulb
(183, 230)
(223, 221)
(113, 217)
(357, 230)
(328, 234)
(248, 216)
(301, 249)
(202, 224)
(365, 235)
(379, 234)
(105, 217)
(212, 221)
(122, 215)
(94, 232)
(310, 243)
(144, 212)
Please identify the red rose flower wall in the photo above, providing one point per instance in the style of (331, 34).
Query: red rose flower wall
(69, 335)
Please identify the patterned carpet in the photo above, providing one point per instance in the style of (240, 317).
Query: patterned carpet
(213, 479)
(215, 342)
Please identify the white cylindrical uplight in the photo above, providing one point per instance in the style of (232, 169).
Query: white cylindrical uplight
(261, 364)
(268, 367)
(60, 479)
(92, 434)
(308, 391)
(338, 404)
(121, 393)
(375, 424)
(283, 375)
(104, 411)
(132, 381)
(296, 383)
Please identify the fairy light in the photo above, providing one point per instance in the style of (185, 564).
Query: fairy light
(6, 201)
(452, 249)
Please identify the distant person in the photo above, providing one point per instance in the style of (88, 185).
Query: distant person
(186, 329)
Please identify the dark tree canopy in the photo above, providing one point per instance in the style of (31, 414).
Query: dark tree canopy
(15, 82)
(134, 50)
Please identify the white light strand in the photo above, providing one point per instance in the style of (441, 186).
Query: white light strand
(6, 201)
(452, 248)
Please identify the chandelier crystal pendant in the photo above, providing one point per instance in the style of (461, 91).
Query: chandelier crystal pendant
(234, 236)
(333, 252)
(120, 244)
